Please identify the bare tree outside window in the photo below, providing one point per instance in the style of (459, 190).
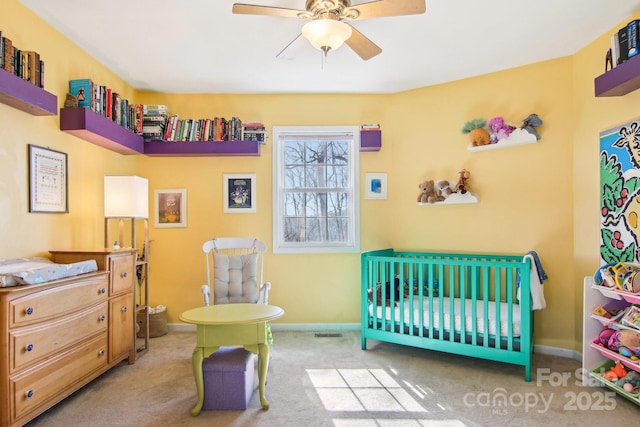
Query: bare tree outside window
(317, 198)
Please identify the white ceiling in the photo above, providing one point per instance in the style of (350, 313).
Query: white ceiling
(199, 46)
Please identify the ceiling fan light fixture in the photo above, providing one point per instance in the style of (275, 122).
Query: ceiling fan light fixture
(326, 34)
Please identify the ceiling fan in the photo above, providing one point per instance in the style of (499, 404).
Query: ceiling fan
(326, 29)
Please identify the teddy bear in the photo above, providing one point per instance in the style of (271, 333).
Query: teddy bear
(530, 123)
(499, 129)
(429, 193)
(477, 132)
(461, 185)
(444, 187)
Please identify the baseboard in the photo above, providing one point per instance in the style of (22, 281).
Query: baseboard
(184, 327)
(557, 351)
(307, 327)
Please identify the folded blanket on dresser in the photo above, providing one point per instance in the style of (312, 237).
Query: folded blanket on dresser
(30, 271)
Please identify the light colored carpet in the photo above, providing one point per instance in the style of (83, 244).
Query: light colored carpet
(329, 381)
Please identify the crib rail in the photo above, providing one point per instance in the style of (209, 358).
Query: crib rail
(449, 302)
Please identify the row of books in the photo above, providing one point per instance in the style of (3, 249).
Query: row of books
(153, 122)
(25, 64)
(108, 103)
(216, 129)
(625, 44)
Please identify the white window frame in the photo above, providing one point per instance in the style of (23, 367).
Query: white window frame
(353, 241)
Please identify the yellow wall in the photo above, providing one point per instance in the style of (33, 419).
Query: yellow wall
(541, 196)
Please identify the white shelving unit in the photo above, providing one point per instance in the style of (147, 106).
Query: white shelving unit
(595, 357)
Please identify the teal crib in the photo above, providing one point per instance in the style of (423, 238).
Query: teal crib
(449, 302)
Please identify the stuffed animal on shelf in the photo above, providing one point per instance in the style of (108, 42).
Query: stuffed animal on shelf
(477, 132)
(444, 187)
(499, 129)
(461, 185)
(530, 123)
(428, 192)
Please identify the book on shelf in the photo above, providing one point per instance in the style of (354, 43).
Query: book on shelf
(8, 55)
(83, 90)
(631, 317)
(32, 59)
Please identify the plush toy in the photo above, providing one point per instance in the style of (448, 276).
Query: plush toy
(477, 132)
(444, 187)
(428, 192)
(461, 185)
(499, 129)
(530, 123)
(615, 373)
(621, 340)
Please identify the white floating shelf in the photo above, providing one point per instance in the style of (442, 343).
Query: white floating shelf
(517, 137)
(455, 199)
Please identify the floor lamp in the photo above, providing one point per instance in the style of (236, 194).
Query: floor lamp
(126, 198)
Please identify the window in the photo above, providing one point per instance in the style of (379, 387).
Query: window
(316, 196)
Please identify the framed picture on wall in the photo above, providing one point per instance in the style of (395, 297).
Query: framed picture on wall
(170, 208)
(239, 193)
(48, 180)
(375, 186)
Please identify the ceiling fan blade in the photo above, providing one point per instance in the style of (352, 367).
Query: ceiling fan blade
(250, 9)
(382, 8)
(361, 45)
(293, 48)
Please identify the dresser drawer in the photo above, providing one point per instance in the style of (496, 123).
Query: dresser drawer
(32, 344)
(57, 376)
(51, 303)
(122, 273)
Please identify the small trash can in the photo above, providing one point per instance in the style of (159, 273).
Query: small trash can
(157, 322)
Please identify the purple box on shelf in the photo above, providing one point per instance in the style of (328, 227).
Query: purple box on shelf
(229, 379)
(370, 140)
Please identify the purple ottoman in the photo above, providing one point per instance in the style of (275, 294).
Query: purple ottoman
(229, 379)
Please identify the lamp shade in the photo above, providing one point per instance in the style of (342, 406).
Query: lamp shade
(126, 197)
(326, 34)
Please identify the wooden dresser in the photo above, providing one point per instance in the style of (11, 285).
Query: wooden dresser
(60, 335)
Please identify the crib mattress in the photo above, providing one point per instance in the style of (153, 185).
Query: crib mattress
(389, 313)
(30, 271)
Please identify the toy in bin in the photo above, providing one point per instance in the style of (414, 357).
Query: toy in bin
(622, 275)
(622, 340)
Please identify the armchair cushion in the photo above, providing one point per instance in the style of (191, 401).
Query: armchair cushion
(234, 278)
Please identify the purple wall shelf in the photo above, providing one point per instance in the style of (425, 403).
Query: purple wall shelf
(370, 140)
(620, 80)
(99, 130)
(26, 96)
(201, 148)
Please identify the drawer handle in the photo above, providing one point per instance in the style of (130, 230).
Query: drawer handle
(29, 393)
(29, 347)
(101, 352)
(124, 274)
(29, 311)
(102, 318)
(103, 290)
(124, 309)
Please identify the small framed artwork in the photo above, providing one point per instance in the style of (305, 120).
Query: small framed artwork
(239, 193)
(170, 207)
(375, 186)
(48, 180)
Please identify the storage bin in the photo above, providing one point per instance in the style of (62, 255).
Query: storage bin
(230, 379)
(157, 323)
